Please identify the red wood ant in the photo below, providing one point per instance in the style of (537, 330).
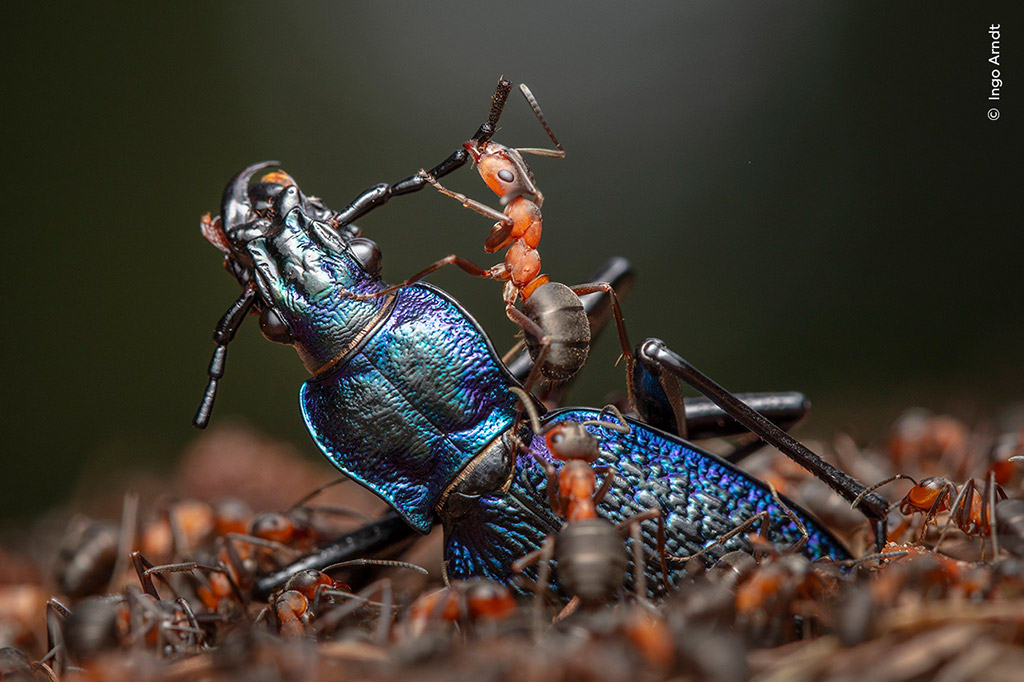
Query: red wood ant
(552, 317)
(589, 550)
(467, 601)
(311, 600)
(972, 512)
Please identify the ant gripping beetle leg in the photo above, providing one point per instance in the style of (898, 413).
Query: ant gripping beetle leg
(556, 328)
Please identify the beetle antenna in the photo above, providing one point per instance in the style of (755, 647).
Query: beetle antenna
(486, 131)
(226, 329)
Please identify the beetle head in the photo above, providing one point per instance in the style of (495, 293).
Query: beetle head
(289, 248)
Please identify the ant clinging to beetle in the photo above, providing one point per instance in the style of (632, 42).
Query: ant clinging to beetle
(588, 549)
(556, 327)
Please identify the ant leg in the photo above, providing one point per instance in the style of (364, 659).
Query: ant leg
(544, 555)
(126, 537)
(657, 357)
(639, 563)
(635, 521)
(56, 613)
(620, 325)
(959, 512)
(598, 306)
(750, 522)
(988, 510)
(526, 402)
(871, 488)
(473, 205)
(332, 617)
(533, 329)
(197, 632)
(466, 266)
(804, 537)
(378, 195)
(942, 498)
(142, 566)
(606, 484)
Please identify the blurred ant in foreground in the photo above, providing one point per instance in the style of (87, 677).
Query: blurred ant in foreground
(467, 602)
(313, 602)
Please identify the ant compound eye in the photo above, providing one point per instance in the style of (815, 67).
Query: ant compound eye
(506, 175)
(273, 327)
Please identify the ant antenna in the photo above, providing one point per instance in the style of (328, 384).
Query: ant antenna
(558, 152)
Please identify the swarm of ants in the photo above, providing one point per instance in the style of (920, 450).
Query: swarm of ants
(162, 589)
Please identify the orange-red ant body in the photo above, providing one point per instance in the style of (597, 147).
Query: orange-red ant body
(504, 170)
(470, 601)
(972, 512)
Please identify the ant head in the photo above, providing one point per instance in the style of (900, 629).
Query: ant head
(503, 169)
(571, 440)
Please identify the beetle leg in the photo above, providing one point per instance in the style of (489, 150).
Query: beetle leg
(225, 332)
(386, 532)
(657, 357)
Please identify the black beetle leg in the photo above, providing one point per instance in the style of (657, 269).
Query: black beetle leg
(388, 533)
(657, 357)
(226, 329)
(659, 403)
(378, 195)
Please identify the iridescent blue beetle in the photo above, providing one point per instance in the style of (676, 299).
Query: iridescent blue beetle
(409, 398)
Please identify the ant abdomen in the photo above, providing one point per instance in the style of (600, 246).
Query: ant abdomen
(559, 312)
(591, 560)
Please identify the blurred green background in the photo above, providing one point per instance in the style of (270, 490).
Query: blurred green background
(812, 195)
